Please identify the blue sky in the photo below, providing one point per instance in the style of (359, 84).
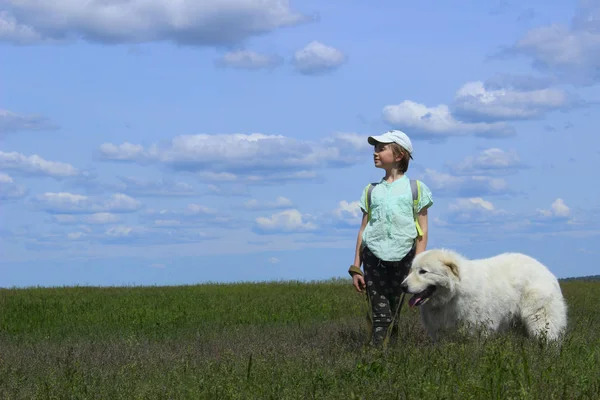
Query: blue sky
(158, 142)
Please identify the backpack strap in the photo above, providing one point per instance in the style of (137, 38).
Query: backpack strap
(369, 189)
(416, 196)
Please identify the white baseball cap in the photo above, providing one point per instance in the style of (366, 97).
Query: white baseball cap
(394, 136)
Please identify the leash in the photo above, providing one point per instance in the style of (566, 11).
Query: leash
(356, 270)
(390, 328)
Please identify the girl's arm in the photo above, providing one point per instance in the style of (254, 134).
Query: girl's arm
(357, 253)
(422, 240)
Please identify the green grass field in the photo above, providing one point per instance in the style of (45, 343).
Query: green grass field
(284, 340)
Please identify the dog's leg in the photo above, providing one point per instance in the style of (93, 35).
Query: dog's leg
(431, 325)
(543, 314)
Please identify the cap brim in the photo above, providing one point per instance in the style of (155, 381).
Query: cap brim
(373, 140)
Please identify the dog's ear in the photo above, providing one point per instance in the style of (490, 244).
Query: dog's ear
(453, 267)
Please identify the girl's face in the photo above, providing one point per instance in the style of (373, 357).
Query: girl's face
(383, 156)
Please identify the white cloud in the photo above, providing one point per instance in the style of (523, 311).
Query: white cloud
(274, 260)
(481, 108)
(280, 202)
(125, 151)
(192, 215)
(9, 189)
(475, 102)
(69, 203)
(570, 52)
(127, 235)
(100, 218)
(348, 213)
(474, 210)
(5, 178)
(486, 221)
(489, 161)
(201, 149)
(246, 59)
(36, 165)
(348, 141)
(480, 213)
(472, 203)
(518, 82)
(11, 122)
(199, 209)
(14, 32)
(443, 184)
(217, 176)
(277, 178)
(558, 210)
(140, 235)
(228, 190)
(168, 223)
(65, 219)
(556, 47)
(559, 218)
(301, 175)
(230, 184)
(317, 58)
(438, 122)
(75, 235)
(119, 231)
(185, 22)
(287, 221)
(154, 188)
(252, 157)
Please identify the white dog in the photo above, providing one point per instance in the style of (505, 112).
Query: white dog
(494, 294)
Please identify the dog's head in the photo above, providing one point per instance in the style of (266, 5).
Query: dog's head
(432, 277)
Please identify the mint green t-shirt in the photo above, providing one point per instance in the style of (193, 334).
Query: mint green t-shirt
(391, 232)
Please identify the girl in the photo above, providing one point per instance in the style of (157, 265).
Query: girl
(390, 234)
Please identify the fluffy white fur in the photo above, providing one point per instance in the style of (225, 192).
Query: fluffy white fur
(492, 293)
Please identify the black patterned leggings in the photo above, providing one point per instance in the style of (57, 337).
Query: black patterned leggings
(383, 279)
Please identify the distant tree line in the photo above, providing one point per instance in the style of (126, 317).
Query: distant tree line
(582, 278)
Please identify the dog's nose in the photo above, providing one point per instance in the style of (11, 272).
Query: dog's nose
(404, 287)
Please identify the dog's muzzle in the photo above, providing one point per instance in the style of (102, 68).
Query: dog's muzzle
(421, 298)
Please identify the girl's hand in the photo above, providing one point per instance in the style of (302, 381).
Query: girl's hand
(359, 282)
